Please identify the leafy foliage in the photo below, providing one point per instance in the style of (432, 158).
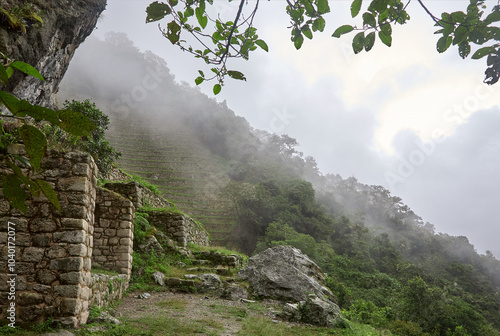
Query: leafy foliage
(18, 184)
(227, 39)
(76, 113)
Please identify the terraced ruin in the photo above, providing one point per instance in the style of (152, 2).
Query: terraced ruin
(164, 152)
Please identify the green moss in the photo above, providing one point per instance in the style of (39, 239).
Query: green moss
(17, 18)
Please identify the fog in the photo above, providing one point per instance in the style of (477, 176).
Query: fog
(416, 122)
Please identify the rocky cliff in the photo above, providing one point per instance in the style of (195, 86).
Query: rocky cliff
(47, 45)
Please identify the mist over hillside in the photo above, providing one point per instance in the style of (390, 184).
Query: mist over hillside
(253, 189)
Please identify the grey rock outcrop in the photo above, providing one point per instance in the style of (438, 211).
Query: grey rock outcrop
(50, 46)
(284, 273)
(320, 312)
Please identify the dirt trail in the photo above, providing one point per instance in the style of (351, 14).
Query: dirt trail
(220, 317)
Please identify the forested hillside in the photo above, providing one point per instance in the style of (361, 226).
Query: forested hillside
(252, 189)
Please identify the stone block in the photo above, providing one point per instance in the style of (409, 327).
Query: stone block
(30, 313)
(72, 278)
(71, 306)
(113, 241)
(110, 232)
(74, 183)
(57, 251)
(76, 236)
(78, 250)
(68, 291)
(73, 211)
(20, 224)
(124, 233)
(87, 264)
(22, 239)
(81, 169)
(41, 240)
(33, 254)
(45, 289)
(43, 225)
(45, 276)
(74, 223)
(86, 293)
(103, 223)
(125, 225)
(29, 298)
(126, 241)
(23, 268)
(67, 264)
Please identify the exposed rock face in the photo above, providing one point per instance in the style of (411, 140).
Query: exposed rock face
(320, 312)
(284, 273)
(50, 46)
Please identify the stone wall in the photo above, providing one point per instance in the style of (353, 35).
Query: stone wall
(138, 194)
(113, 232)
(49, 256)
(180, 228)
(107, 288)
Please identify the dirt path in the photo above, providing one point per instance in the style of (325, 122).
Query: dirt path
(213, 314)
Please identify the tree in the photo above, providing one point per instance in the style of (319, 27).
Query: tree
(216, 43)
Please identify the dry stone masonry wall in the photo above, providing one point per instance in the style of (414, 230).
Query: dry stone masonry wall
(49, 257)
(113, 232)
(180, 228)
(138, 194)
(46, 255)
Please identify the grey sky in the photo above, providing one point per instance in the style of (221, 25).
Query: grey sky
(405, 117)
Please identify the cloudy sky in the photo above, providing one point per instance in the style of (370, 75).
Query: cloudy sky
(419, 123)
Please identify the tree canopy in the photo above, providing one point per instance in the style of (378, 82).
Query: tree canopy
(196, 29)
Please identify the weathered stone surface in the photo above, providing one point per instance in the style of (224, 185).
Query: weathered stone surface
(67, 264)
(291, 312)
(46, 277)
(29, 298)
(235, 293)
(72, 278)
(43, 225)
(33, 254)
(320, 312)
(284, 273)
(210, 281)
(159, 278)
(48, 47)
(151, 244)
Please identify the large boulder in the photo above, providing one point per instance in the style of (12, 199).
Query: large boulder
(320, 312)
(284, 273)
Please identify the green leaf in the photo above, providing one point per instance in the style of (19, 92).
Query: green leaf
(369, 41)
(27, 69)
(355, 7)
(4, 77)
(319, 24)
(460, 34)
(173, 32)
(443, 43)
(173, 3)
(11, 185)
(16, 169)
(369, 19)
(76, 123)
(35, 144)
(298, 40)
(358, 43)
(464, 49)
(246, 46)
(188, 12)
(202, 19)
(199, 80)
(307, 31)
(38, 113)
(386, 29)
(47, 190)
(493, 17)
(10, 102)
(457, 17)
(262, 44)
(480, 53)
(157, 11)
(217, 88)
(386, 39)
(342, 30)
(323, 7)
(236, 75)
